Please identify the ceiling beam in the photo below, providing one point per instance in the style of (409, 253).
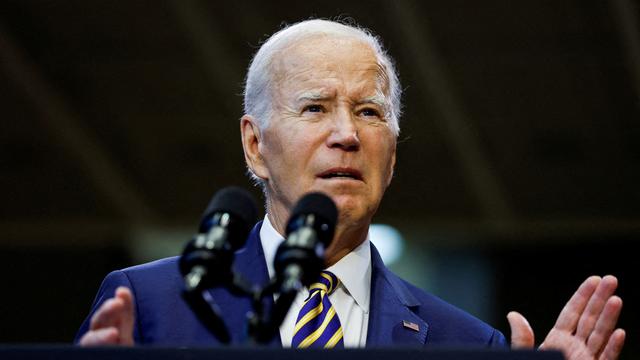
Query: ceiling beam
(92, 233)
(72, 133)
(223, 72)
(625, 13)
(63, 231)
(454, 124)
(536, 231)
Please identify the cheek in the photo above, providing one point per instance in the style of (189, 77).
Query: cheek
(271, 144)
(271, 150)
(286, 152)
(386, 154)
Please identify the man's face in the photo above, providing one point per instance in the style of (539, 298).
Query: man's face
(328, 131)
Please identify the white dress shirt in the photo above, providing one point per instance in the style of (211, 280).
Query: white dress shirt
(350, 299)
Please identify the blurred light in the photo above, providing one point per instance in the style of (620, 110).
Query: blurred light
(388, 241)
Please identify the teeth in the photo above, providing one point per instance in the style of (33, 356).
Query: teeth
(340, 174)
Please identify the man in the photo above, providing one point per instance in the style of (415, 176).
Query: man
(322, 102)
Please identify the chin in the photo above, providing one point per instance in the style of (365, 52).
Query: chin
(352, 213)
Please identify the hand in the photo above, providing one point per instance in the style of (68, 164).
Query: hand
(585, 326)
(112, 323)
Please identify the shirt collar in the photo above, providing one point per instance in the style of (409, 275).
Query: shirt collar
(270, 239)
(353, 270)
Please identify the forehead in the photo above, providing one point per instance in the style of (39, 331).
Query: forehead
(321, 61)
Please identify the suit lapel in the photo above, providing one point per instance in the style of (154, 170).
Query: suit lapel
(391, 319)
(250, 263)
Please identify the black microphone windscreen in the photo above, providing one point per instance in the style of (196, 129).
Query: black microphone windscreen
(233, 200)
(319, 204)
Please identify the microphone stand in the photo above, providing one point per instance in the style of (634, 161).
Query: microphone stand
(207, 312)
(263, 326)
(196, 294)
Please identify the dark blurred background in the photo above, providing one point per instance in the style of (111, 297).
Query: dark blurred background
(518, 161)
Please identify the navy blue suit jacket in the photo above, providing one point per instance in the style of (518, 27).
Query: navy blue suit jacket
(162, 317)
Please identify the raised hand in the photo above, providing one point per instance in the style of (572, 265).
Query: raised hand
(585, 328)
(112, 323)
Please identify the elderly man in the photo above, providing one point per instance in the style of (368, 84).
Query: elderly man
(322, 103)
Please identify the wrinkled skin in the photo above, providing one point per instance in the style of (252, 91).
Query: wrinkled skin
(329, 109)
(329, 118)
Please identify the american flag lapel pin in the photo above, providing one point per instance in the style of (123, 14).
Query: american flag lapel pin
(410, 325)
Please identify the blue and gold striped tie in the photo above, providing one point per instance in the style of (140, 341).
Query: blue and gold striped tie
(318, 325)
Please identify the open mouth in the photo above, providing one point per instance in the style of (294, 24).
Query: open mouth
(341, 174)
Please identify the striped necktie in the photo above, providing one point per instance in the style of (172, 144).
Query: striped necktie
(318, 325)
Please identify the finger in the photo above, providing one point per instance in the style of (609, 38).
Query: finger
(107, 315)
(614, 346)
(104, 336)
(124, 293)
(115, 311)
(605, 325)
(521, 332)
(570, 314)
(127, 318)
(596, 304)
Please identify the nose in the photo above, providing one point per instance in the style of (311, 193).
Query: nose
(344, 132)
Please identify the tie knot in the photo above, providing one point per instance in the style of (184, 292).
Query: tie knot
(328, 282)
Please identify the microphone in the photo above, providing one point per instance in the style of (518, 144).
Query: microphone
(206, 260)
(300, 258)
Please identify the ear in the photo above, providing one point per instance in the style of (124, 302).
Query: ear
(251, 141)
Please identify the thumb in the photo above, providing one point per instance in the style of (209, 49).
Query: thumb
(521, 332)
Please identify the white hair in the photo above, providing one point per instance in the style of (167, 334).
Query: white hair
(259, 81)
(258, 84)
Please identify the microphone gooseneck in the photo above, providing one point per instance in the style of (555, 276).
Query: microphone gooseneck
(207, 259)
(299, 259)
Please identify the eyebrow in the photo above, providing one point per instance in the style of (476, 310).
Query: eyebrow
(312, 96)
(316, 96)
(376, 99)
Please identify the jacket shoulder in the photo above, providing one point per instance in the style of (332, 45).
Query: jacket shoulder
(449, 324)
(161, 269)
(154, 283)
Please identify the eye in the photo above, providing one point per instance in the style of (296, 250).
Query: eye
(370, 112)
(315, 108)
